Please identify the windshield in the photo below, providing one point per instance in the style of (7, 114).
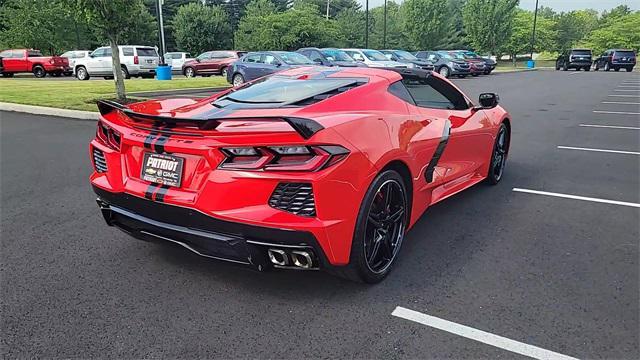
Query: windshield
(405, 55)
(293, 58)
(470, 55)
(337, 55)
(278, 89)
(374, 55)
(445, 55)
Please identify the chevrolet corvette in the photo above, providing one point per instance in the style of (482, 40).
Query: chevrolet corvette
(310, 168)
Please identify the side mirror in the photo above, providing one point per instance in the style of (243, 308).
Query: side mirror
(317, 61)
(359, 59)
(488, 100)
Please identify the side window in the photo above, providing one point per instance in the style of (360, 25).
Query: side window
(127, 51)
(253, 58)
(5, 54)
(204, 56)
(33, 53)
(432, 57)
(356, 56)
(432, 92)
(107, 52)
(98, 52)
(399, 90)
(269, 59)
(314, 56)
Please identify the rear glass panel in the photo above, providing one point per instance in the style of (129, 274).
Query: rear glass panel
(128, 51)
(581, 52)
(624, 54)
(34, 53)
(278, 90)
(147, 52)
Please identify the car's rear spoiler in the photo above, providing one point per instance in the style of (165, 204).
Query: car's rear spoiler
(305, 127)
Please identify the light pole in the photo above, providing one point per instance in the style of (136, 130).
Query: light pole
(366, 26)
(384, 30)
(533, 34)
(328, 9)
(163, 48)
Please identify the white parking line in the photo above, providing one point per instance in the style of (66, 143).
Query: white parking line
(599, 150)
(629, 86)
(576, 197)
(610, 126)
(478, 335)
(615, 112)
(635, 90)
(631, 96)
(621, 102)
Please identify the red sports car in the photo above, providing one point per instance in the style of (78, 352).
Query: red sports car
(310, 168)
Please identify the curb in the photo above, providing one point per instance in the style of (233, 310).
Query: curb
(514, 71)
(43, 110)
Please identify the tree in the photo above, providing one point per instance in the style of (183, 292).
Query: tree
(520, 40)
(617, 12)
(302, 25)
(487, 23)
(573, 26)
(351, 24)
(198, 28)
(622, 33)
(112, 19)
(395, 36)
(424, 22)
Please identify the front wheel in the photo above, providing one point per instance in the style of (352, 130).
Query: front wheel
(125, 73)
(616, 69)
(223, 72)
(587, 68)
(499, 155)
(444, 71)
(82, 73)
(39, 72)
(189, 72)
(607, 67)
(237, 80)
(629, 69)
(380, 228)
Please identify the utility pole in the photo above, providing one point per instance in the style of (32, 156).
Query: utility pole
(328, 9)
(384, 31)
(533, 34)
(366, 26)
(163, 48)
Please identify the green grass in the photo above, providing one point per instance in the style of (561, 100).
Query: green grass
(82, 95)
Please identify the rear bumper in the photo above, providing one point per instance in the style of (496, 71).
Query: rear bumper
(205, 235)
(580, 63)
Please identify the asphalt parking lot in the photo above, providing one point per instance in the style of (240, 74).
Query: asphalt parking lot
(542, 269)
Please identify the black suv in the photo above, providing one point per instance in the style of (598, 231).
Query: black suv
(615, 59)
(408, 58)
(574, 59)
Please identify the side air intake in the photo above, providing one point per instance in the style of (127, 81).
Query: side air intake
(296, 198)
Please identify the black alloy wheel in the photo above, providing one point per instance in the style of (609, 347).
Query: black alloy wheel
(499, 155)
(39, 72)
(380, 229)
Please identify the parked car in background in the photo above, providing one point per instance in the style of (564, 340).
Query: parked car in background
(373, 58)
(211, 63)
(176, 60)
(446, 64)
(16, 61)
(258, 64)
(135, 60)
(408, 58)
(477, 66)
(574, 59)
(73, 56)
(489, 64)
(616, 59)
(330, 57)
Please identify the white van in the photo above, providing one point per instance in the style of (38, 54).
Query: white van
(176, 60)
(135, 60)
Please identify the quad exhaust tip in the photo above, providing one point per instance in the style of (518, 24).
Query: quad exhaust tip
(297, 258)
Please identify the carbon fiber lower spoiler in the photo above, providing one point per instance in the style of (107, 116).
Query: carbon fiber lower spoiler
(304, 127)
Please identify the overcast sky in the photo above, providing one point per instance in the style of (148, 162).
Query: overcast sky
(558, 5)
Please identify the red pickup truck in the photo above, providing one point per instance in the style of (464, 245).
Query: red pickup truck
(23, 61)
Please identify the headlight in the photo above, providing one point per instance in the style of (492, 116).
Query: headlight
(411, 65)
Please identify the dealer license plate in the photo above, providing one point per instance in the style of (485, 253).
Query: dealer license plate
(162, 169)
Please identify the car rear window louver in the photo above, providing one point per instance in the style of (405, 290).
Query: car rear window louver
(99, 161)
(296, 198)
(317, 98)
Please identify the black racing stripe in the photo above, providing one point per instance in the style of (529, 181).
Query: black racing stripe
(428, 174)
(162, 140)
(148, 141)
(150, 189)
(162, 191)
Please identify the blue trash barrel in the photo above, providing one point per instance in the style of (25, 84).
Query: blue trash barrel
(163, 72)
(531, 64)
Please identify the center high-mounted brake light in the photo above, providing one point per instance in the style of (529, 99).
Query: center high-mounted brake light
(282, 158)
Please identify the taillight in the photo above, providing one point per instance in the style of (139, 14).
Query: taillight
(108, 136)
(283, 158)
(135, 59)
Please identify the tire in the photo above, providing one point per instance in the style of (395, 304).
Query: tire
(499, 155)
(189, 72)
(378, 237)
(108, 77)
(475, 75)
(557, 65)
(56, 74)
(223, 72)
(237, 80)
(607, 67)
(587, 68)
(125, 72)
(67, 73)
(39, 71)
(595, 66)
(487, 72)
(82, 73)
(629, 69)
(616, 69)
(7, 75)
(565, 67)
(444, 71)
